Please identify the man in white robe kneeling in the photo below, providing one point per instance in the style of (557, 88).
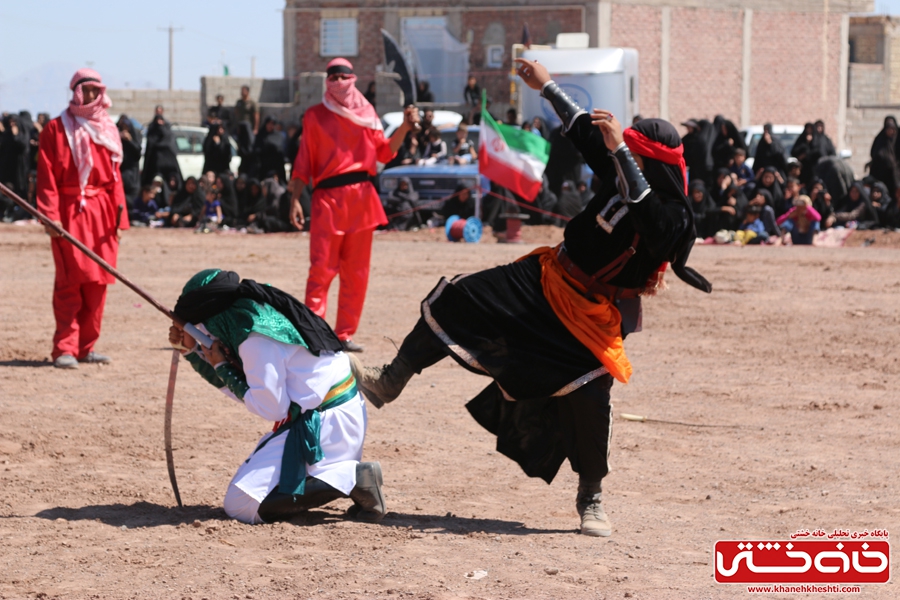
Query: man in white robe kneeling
(286, 365)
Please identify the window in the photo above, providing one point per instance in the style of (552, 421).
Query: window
(338, 37)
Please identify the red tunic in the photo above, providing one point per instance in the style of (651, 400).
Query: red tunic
(59, 197)
(332, 145)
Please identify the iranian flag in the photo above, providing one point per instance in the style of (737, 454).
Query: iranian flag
(512, 157)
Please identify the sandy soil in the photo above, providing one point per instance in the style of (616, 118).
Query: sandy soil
(797, 347)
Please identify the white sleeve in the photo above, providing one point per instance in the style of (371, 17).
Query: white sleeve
(266, 373)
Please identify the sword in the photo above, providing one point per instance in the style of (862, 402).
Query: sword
(189, 327)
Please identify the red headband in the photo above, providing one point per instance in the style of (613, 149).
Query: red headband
(639, 143)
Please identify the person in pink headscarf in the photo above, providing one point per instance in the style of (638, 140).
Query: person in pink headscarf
(79, 186)
(342, 140)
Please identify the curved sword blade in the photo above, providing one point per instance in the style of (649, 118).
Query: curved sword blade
(170, 397)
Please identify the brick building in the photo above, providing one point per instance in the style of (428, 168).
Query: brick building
(751, 60)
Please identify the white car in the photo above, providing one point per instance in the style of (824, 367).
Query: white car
(190, 150)
(443, 119)
(786, 134)
(189, 141)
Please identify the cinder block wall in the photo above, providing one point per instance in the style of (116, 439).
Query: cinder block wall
(180, 105)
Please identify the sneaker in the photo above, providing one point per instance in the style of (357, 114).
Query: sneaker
(351, 346)
(65, 361)
(95, 358)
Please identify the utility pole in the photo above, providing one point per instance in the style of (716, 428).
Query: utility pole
(171, 31)
(252, 67)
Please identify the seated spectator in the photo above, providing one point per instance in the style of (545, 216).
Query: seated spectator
(228, 198)
(423, 93)
(881, 202)
(763, 200)
(144, 208)
(856, 208)
(400, 207)
(435, 151)
(464, 152)
(729, 199)
(706, 213)
(187, 204)
(791, 193)
(794, 168)
(768, 180)
(752, 223)
(460, 204)
(409, 153)
(212, 208)
(743, 174)
(821, 201)
(801, 221)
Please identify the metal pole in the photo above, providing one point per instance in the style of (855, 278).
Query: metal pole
(253, 67)
(171, 66)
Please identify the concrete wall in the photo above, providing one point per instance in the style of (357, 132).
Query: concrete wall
(180, 106)
(863, 124)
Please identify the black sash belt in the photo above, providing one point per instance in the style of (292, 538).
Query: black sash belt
(343, 179)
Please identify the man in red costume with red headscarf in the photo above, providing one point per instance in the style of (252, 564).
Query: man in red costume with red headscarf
(79, 186)
(342, 140)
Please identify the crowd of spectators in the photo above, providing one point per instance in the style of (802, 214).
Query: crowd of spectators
(785, 194)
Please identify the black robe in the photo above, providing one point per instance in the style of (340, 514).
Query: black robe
(269, 147)
(770, 155)
(216, 155)
(859, 210)
(131, 161)
(706, 213)
(698, 146)
(161, 156)
(884, 166)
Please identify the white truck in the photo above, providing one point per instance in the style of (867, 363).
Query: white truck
(594, 77)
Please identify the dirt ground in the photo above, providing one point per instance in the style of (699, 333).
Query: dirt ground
(796, 347)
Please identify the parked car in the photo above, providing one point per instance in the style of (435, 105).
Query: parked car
(189, 141)
(443, 119)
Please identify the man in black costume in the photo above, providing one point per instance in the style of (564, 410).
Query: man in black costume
(548, 328)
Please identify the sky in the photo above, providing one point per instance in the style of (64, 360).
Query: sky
(45, 41)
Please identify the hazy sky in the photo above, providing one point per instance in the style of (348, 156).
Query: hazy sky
(45, 41)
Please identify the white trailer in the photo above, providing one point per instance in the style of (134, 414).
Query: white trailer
(594, 77)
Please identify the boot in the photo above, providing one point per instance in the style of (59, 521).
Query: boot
(368, 501)
(284, 507)
(383, 384)
(594, 521)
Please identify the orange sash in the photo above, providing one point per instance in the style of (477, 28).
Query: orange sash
(595, 323)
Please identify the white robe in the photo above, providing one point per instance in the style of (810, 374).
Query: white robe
(278, 374)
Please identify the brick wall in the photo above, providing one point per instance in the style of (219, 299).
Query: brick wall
(867, 85)
(790, 85)
(640, 27)
(705, 64)
(543, 25)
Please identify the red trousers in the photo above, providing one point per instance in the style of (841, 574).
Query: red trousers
(347, 255)
(78, 309)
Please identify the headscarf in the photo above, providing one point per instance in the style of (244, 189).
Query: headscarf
(658, 143)
(769, 154)
(86, 123)
(342, 98)
(231, 309)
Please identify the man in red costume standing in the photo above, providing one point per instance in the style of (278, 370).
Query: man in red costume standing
(79, 186)
(342, 140)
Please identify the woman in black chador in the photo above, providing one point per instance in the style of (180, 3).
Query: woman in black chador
(548, 328)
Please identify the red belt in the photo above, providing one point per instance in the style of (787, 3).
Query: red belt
(596, 283)
(89, 191)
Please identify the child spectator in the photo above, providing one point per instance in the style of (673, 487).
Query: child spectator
(145, 208)
(435, 150)
(753, 224)
(802, 221)
(743, 174)
(791, 193)
(212, 207)
(464, 152)
(821, 201)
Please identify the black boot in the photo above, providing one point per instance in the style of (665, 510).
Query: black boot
(368, 500)
(284, 507)
(594, 521)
